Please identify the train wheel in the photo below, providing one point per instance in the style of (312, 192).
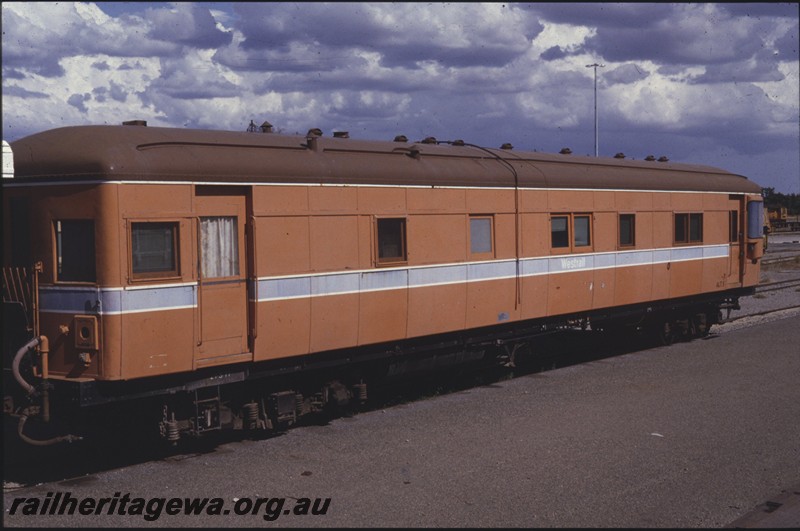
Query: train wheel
(666, 333)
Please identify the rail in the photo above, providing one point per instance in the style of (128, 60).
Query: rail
(20, 285)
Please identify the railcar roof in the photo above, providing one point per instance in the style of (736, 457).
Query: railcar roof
(143, 153)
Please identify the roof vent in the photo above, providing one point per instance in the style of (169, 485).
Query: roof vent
(566, 151)
(458, 142)
(312, 138)
(507, 146)
(341, 134)
(401, 138)
(266, 127)
(142, 123)
(619, 156)
(663, 159)
(429, 140)
(650, 158)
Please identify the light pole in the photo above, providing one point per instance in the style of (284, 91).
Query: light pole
(595, 66)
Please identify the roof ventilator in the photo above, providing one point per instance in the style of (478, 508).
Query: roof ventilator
(341, 134)
(142, 123)
(507, 146)
(663, 159)
(312, 138)
(566, 151)
(619, 156)
(650, 158)
(429, 140)
(401, 138)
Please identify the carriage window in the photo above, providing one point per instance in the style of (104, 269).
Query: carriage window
(627, 230)
(695, 227)
(154, 249)
(733, 226)
(391, 240)
(559, 231)
(583, 231)
(480, 234)
(688, 228)
(75, 252)
(219, 247)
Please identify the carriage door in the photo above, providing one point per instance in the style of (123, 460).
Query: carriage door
(736, 229)
(222, 320)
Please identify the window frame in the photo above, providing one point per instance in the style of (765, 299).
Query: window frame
(572, 245)
(482, 254)
(733, 226)
(58, 254)
(632, 225)
(391, 260)
(171, 274)
(686, 237)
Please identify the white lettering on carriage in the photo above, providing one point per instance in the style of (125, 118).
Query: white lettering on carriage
(573, 263)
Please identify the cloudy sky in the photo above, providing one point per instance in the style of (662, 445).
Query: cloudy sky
(704, 83)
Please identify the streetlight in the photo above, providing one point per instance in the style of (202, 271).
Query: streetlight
(595, 65)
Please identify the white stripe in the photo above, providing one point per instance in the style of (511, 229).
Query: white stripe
(458, 273)
(355, 185)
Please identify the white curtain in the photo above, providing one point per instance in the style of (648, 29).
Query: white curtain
(219, 247)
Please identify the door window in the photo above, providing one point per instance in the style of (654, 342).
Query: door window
(219, 249)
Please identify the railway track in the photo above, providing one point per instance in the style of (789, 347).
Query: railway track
(778, 285)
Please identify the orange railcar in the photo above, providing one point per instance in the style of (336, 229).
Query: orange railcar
(202, 272)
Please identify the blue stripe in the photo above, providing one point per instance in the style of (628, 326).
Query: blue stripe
(104, 301)
(87, 300)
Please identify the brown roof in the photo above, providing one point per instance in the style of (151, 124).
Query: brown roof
(133, 153)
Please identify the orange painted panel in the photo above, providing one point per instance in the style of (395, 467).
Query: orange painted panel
(436, 200)
(604, 202)
(715, 274)
(662, 202)
(715, 227)
(603, 288)
(533, 201)
(644, 230)
(717, 202)
(630, 202)
(662, 275)
(383, 316)
(332, 199)
(436, 309)
(663, 230)
(334, 322)
(605, 231)
(687, 202)
(381, 201)
(280, 200)
(490, 201)
(570, 201)
(437, 238)
(534, 297)
(569, 292)
(155, 199)
(535, 235)
(504, 233)
(222, 309)
(686, 278)
(284, 328)
(157, 343)
(491, 303)
(633, 284)
(334, 242)
(282, 246)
